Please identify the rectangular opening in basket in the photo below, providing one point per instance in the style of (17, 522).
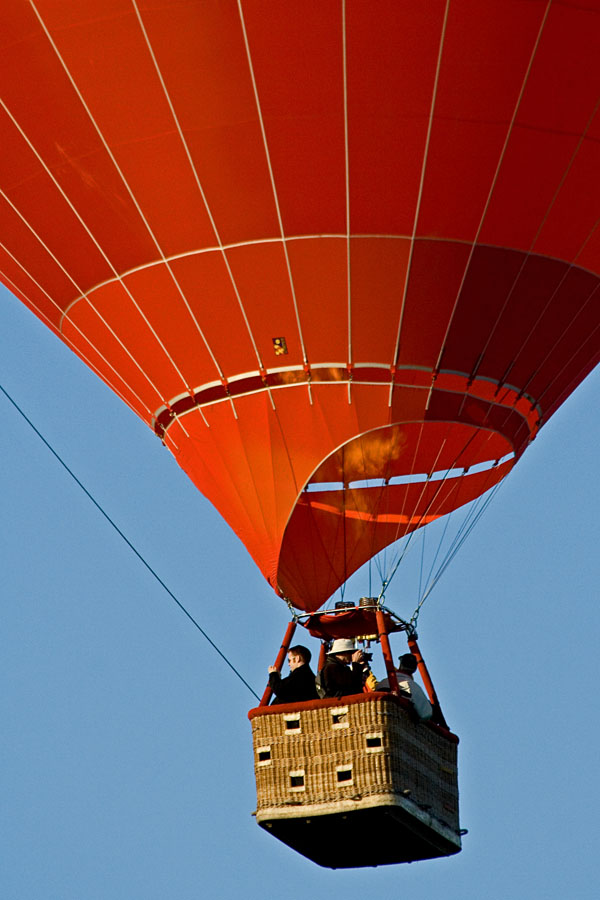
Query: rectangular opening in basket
(297, 780)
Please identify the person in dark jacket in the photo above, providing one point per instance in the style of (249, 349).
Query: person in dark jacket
(299, 684)
(343, 671)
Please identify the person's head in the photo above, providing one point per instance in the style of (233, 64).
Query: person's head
(408, 663)
(298, 656)
(342, 648)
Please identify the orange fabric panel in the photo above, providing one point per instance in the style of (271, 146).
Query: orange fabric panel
(378, 269)
(436, 273)
(389, 97)
(172, 204)
(539, 160)
(255, 466)
(172, 313)
(579, 191)
(215, 459)
(298, 65)
(53, 119)
(203, 59)
(29, 271)
(551, 101)
(207, 286)
(489, 280)
(486, 52)
(88, 325)
(262, 279)
(319, 272)
(103, 53)
(141, 114)
(538, 316)
(553, 113)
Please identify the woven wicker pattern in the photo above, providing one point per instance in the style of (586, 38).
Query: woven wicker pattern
(339, 752)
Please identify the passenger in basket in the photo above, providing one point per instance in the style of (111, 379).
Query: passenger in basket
(299, 685)
(408, 686)
(342, 673)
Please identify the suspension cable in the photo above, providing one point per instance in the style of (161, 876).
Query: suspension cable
(457, 542)
(423, 533)
(439, 547)
(128, 542)
(454, 548)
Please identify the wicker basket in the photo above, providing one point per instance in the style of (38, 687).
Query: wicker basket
(356, 781)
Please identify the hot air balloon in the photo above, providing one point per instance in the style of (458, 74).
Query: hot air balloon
(342, 257)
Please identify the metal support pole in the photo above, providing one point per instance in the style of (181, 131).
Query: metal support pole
(322, 656)
(386, 650)
(438, 715)
(285, 646)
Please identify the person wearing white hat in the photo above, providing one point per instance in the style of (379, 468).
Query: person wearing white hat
(342, 673)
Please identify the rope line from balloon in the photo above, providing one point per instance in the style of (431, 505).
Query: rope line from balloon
(398, 556)
(452, 552)
(470, 511)
(457, 542)
(128, 542)
(423, 535)
(383, 569)
(385, 580)
(437, 552)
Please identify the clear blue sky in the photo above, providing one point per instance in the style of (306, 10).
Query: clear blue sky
(126, 751)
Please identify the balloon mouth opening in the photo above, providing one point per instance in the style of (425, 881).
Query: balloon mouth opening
(408, 453)
(377, 488)
(412, 478)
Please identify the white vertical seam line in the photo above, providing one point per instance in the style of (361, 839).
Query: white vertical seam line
(495, 178)
(78, 288)
(200, 190)
(531, 250)
(421, 184)
(272, 177)
(531, 331)
(537, 402)
(133, 198)
(564, 332)
(117, 277)
(347, 176)
(347, 180)
(571, 358)
(205, 420)
(76, 327)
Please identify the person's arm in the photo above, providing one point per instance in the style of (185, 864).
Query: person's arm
(282, 687)
(274, 679)
(356, 668)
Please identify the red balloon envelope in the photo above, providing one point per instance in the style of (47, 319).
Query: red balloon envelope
(333, 253)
